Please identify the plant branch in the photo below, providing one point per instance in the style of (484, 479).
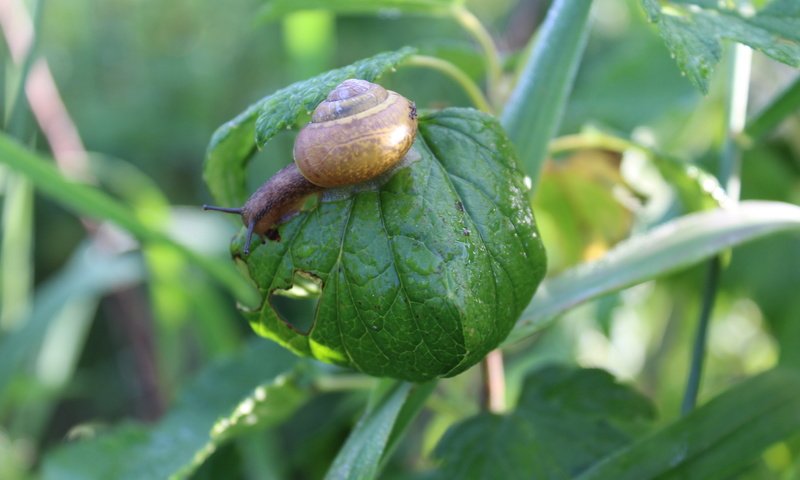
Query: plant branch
(443, 66)
(475, 28)
(343, 383)
(493, 394)
(593, 140)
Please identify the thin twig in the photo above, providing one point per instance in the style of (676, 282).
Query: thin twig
(471, 24)
(470, 88)
(493, 395)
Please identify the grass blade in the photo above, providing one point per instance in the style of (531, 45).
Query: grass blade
(666, 249)
(534, 110)
(91, 202)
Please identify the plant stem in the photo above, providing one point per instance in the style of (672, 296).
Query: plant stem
(343, 383)
(785, 104)
(736, 116)
(443, 66)
(493, 396)
(594, 140)
(700, 337)
(729, 170)
(475, 28)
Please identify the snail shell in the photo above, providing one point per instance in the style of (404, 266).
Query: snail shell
(360, 131)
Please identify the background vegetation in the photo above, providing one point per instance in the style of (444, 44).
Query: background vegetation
(122, 353)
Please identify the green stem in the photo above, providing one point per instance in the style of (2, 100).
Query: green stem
(736, 116)
(593, 140)
(700, 337)
(475, 28)
(785, 104)
(443, 66)
(730, 166)
(343, 383)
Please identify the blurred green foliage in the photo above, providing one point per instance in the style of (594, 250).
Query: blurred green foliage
(102, 327)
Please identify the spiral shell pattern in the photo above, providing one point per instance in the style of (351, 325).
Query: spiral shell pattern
(358, 132)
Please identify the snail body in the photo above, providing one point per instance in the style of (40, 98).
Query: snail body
(358, 132)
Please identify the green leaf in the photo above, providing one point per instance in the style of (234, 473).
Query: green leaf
(88, 201)
(422, 272)
(693, 30)
(665, 249)
(219, 404)
(234, 143)
(717, 440)
(534, 110)
(275, 9)
(376, 431)
(566, 420)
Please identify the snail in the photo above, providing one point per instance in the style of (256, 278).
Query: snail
(358, 132)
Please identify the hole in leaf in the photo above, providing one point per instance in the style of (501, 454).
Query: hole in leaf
(297, 306)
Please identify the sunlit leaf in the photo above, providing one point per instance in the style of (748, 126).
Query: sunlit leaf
(667, 248)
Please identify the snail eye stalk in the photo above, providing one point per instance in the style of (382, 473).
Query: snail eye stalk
(237, 211)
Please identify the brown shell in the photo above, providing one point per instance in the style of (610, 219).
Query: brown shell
(360, 131)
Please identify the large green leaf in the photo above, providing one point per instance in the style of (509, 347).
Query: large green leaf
(279, 8)
(566, 420)
(256, 389)
(666, 249)
(717, 440)
(693, 30)
(234, 143)
(422, 273)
